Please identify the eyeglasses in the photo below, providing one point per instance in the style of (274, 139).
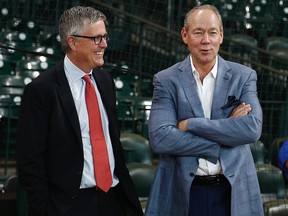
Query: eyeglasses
(97, 39)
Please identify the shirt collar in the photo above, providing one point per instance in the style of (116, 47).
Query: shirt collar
(214, 70)
(73, 71)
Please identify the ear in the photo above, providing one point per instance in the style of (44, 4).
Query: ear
(71, 42)
(222, 36)
(184, 35)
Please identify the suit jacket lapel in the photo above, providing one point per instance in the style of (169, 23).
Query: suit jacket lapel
(190, 87)
(101, 87)
(67, 101)
(221, 89)
(107, 98)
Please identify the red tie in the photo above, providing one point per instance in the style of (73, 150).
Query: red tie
(99, 148)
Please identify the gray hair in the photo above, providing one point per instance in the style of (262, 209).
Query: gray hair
(201, 7)
(74, 21)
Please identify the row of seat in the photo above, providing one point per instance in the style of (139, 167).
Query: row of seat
(263, 154)
(272, 184)
(139, 160)
(138, 157)
(259, 18)
(141, 163)
(273, 189)
(269, 59)
(249, 48)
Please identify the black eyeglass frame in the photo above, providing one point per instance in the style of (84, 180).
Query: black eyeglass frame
(105, 37)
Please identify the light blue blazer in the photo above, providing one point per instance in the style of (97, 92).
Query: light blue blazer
(175, 98)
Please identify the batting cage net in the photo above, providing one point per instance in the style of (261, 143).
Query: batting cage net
(144, 39)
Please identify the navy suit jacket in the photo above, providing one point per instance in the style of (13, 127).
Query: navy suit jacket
(49, 149)
(175, 98)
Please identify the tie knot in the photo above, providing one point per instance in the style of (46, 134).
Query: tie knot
(87, 78)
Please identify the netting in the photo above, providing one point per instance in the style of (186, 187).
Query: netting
(144, 39)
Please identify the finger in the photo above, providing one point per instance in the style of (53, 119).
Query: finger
(241, 110)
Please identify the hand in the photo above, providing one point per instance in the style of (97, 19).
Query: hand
(182, 125)
(241, 110)
(286, 164)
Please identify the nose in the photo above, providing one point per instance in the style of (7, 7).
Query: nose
(103, 43)
(205, 38)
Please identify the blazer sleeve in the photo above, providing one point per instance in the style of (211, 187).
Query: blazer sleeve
(233, 131)
(32, 134)
(164, 136)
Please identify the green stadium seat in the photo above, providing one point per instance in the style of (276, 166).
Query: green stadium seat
(258, 152)
(51, 40)
(265, 166)
(13, 85)
(277, 46)
(259, 18)
(145, 88)
(31, 28)
(6, 68)
(232, 12)
(276, 208)
(9, 54)
(124, 88)
(283, 15)
(278, 59)
(125, 115)
(276, 81)
(272, 185)
(18, 40)
(142, 107)
(9, 105)
(136, 148)
(244, 46)
(4, 16)
(142, 176)
(10, 185)
(275, 42)
(31, 68)
(9, 111)
(276, 144)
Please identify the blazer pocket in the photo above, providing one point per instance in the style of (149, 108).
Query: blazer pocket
(227, 112)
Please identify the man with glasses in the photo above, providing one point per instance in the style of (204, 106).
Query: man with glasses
(69, 154)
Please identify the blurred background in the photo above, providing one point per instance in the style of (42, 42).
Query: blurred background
(144, 39)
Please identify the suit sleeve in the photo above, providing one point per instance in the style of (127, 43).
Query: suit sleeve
(233, 131)
(164, 136)
(32, 135)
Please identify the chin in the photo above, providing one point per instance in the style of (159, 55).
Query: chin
(99, 63)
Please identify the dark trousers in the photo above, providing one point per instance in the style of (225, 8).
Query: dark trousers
(92, 202)
(210, 200)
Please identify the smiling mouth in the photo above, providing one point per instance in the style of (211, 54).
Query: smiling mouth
(99, 53)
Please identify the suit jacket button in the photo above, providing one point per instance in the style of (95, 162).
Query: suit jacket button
(74, 196)
(79, 172)
(191, 174)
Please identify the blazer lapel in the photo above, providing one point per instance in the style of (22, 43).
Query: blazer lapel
(190, 87)
(67, 102)
(101, 87)
(221, 89)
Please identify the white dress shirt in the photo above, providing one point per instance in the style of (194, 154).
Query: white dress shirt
(77, 86)
(206, 91)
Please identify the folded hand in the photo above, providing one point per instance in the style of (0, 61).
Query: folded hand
(241, 110)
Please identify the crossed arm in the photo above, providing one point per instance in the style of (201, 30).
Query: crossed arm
(241, 110)
(199, 136)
